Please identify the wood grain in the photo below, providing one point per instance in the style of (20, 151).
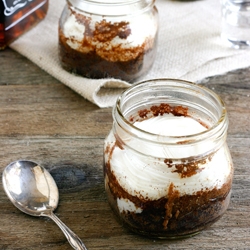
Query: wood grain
(43, 120)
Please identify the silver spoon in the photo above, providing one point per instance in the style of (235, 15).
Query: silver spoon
(32, 189)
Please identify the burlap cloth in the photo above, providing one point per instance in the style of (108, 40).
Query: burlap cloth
(189, 48)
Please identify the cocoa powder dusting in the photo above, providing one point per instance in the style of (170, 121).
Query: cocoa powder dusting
(189, 167)
(165, 108)
(106, 31)
(162, 109)
(143, 113)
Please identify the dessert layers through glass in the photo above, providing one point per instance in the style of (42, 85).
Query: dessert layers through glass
(168, 170)
(108, 39)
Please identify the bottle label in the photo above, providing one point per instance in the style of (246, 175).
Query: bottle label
(18, 16)
(11, 6)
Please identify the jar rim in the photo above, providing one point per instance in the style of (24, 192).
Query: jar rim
(110, 2)
(111, 8)
(219, 126)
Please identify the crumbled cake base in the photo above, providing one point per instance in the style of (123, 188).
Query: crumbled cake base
(172, 217)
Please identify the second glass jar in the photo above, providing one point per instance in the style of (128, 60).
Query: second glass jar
(108, 39)
(168, 171)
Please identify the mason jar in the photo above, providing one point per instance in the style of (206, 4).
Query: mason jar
(167, 167)
(108, 39)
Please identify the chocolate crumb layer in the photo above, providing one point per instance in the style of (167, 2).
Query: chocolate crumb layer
(171, 216)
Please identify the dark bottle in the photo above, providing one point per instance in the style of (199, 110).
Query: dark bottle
(18, 16)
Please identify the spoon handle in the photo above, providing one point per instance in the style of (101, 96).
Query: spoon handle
(72, 238)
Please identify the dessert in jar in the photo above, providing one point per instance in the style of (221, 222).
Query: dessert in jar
(167, 167)
(108, 39)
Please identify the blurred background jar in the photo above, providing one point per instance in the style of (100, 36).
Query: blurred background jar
(108, 39)
(236, 23)
(17, 17)
(167, 167)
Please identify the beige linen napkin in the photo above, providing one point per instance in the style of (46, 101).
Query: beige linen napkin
(189, 48)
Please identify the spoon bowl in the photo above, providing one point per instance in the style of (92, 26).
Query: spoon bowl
(33, 190)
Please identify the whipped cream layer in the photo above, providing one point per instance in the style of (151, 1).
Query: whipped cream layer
(170, 125)
(150, 177)
(141, 29)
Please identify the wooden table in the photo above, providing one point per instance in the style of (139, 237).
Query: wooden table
(43, 120)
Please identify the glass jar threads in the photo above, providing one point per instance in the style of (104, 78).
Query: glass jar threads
(108, 39)
(168, 171)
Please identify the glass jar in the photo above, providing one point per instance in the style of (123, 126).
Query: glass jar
(108, 39)
(167, 168)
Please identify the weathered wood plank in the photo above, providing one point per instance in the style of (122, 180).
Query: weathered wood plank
(43, 120)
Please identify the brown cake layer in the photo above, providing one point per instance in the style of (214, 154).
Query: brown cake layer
(171, 216)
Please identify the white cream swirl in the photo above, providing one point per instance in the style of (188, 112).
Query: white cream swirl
(74, 32)
(149, 177)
